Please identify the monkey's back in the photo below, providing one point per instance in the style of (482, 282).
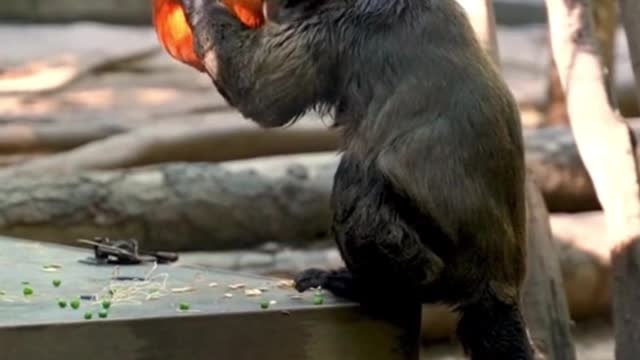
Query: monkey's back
(434, 146)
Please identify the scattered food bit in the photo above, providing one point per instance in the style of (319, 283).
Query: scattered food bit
(264, 304)
(88, 297)
(253, 292)
(106, 304)
(62, 303)
(2, 292)
(296, 296)
(213, 284)
(318, 299)
(285, 312)
(228, 295)
(88, 315)
(184, 306)
(27, 291)
(237, 286)
(263, 289)
(103, 313)
(51, 267)
(56, 283)
(151, 287)
(75, 304)
(272, 302)
(24, 283)
(183, 289)
(285, 284)
(153, 295)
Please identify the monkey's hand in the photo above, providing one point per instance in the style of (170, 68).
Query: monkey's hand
(310, 279)
(339, 282)
(272, 74)
(209, 21)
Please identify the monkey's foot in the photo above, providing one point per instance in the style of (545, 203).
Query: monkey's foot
(310, 278)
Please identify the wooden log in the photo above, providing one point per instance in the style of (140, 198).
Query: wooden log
(544, 302)
(173, 207)
(129, 12)
(552, 155)
(558, 170)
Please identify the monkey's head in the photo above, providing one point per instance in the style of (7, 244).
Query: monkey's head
(174, 32)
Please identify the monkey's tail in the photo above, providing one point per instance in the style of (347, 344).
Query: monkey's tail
(491, 329)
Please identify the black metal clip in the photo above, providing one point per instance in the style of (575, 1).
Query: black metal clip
(123, 252)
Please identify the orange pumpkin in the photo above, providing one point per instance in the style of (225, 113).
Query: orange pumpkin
(174, 33)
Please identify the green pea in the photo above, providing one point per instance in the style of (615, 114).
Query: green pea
(62, 303)
(27, 291)
(184, 306)
(264, 304)
(318, 300)
(75, 304)
(88, 315)
(56, 283)
(103, 313)
(106, 304)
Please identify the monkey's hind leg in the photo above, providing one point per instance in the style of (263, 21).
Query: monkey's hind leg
(493, 329)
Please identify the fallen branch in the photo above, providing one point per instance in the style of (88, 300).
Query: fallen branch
(55, 74)
(211, 141)
(43, 138)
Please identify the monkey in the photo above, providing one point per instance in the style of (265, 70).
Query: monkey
(428, 198)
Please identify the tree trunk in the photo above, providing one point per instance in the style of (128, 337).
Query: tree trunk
(556, 112)
(605, 20)
(482, 17)
(626, 256)
(604, 142)
(630, 10)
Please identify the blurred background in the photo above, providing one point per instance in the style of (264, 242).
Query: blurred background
(103, 134)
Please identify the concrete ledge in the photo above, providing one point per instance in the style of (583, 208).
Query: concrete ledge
(216, 327)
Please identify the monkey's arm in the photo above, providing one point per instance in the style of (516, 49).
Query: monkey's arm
(272, 75)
